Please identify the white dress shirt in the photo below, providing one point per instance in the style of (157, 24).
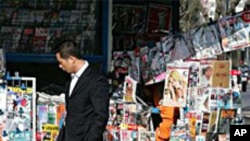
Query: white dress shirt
(76, 76)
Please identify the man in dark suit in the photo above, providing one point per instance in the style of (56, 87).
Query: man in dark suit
(87, 98)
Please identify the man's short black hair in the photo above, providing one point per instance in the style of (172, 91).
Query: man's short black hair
(67, 48)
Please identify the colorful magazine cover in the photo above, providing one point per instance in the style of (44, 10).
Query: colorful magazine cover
(60, 114)
(129, 90)
(225, 119)
(176, 84)
(194, 121)
(146, 135)
(42, 116)
(50, 132)
(234, 31)
(179, 132)
(130, 114)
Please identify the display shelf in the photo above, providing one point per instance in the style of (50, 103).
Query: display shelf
(45, 58)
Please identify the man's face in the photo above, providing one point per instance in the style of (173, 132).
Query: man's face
(64, 64)
(209, 72)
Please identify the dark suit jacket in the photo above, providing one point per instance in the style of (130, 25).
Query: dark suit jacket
(87, 107)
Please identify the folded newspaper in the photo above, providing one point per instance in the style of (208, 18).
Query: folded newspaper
(53, 99)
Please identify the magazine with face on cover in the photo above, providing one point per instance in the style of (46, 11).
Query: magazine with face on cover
(205, 74)
(176, 84)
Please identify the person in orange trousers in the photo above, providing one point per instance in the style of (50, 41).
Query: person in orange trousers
(168, 115)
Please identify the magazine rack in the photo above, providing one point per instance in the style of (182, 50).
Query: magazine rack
(22, 125)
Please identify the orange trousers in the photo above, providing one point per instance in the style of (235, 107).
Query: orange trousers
(163, 132)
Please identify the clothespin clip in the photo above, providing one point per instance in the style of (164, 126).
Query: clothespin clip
(23, 87)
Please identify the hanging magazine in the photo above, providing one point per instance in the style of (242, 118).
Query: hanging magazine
(157, 65)
(234, 31)
(206, 42)
(122, 61)
(182, 48)
(176, 84)
(167, 45)
(146, 72)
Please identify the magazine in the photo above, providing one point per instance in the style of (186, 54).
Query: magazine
(146, 135)
(213, 121)
(179, 132)
(224, 98)
(157, 65)
(111, 135)
(205, 123)
(221, 76)
(128, 135)
(194, 121)
(176, 84)
(205, 74)
(202, 101)
(129, 90)
(234, 31)
(225, 119)
(130, 114)
(213, 103)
